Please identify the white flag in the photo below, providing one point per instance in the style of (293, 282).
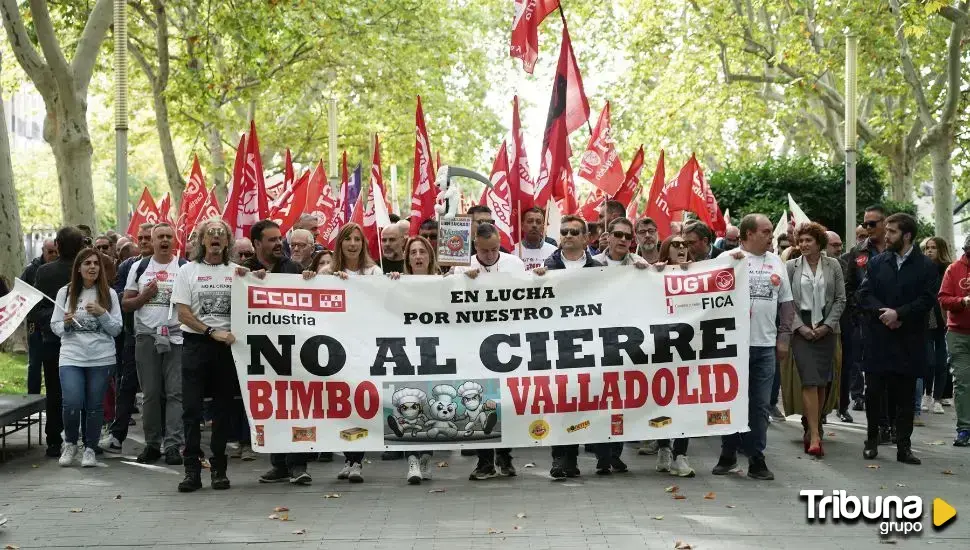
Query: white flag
(797, 214)
(15, 306)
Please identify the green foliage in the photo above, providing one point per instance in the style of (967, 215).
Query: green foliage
(926, 228)
(13, 373)
(763, 187)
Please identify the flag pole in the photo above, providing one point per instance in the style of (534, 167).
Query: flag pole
(562, 15)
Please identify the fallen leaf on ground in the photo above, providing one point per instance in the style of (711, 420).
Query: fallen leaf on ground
(681, 545)
(948, 472)
(872, 466)
(672, 489)
(442, 464)
(516, 528)
(883, 487)
(658, 518)
(117, 497)
(529, 465)
(521, 515)
(900, 485)
(76, 510)
(939, 442)
(366, 461)
(299, 532)
(332, 495)
(12, 546)
(284, 517)
(731, 506)
(710, 496)
(436, 491)
(281, 509)
(680, 497)
(273, 516)
(34, 466)
(830, 434)
(492, 531)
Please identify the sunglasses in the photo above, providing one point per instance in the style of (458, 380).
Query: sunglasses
(245, 255)
(678, 244)
(871, 224)
(570, 231)
(215, 231)
(623, 235)
(104, 247)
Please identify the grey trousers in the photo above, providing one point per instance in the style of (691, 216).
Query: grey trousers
(160, 376)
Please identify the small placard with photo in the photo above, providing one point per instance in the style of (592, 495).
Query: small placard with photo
(455, 241)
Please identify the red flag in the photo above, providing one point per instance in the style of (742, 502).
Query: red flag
(679, 190)
(165, 208)
(254, 173)
(337, 220)
(525, 29)
(375, 216)
(320, 202)
(498, 198)
(277, 190)
(146, 211)
(248, 202)
(291, 204)
(569, 203)
(631, 182)
(658, 209)
(632, 211)
(210, 209)
(357, 215)
(521, 187)
(600, 164)
(590, 210)
(568, 96)
(424, 194)
(233, 206)
(193, 199)
(554, 161)
(703, 202)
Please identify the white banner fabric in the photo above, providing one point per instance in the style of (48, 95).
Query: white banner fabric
(15, 306)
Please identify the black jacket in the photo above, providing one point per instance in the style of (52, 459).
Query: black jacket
(285, 265)
(49, 279)
(30, 272)
(910, 290)
(856, 261)
(554, 261)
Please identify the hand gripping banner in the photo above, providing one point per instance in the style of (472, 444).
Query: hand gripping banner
(504, 360)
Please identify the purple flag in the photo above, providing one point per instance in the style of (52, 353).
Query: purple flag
(353, 191)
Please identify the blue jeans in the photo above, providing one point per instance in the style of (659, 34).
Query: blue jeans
(761, 372)
(83, 393)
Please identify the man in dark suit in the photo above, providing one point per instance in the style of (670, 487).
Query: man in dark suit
(700, 240)
(895, 298)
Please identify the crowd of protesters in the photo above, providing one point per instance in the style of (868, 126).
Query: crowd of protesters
(882, 328)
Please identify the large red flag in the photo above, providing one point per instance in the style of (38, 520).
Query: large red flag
(423, 195)
(521, 186)
(525, 29)
(568, 96)
(165, 208)
(703, 202)
(633, 210)
(569, 203)
(631, 182)
(291, 204)
(337, 220)
(320, 202)
(591, 208)
(248, 202)
(193, 199)
(658, 208)
(600, 164)
(554, 161)
(233, 206)
(375, 215)
(146, 211)
(498, 198)
(210, 208)
(277, 190)
(254, 173)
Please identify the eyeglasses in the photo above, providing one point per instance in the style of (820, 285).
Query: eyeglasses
(678, 244)
(623, 235)
(871, 224)
(245, 255)
(144, 238)
(104, 247)
(652, 231)
(570, 231)
(215, 231)
(297, 246)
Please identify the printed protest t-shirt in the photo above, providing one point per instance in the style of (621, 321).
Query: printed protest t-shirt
(207, 290)
(155, 312)
(534, 257)
(769, 286)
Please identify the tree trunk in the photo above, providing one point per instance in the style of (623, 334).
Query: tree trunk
(12, 257)
(214, 141)
(175, 181)
(943, 189)
(72, 155)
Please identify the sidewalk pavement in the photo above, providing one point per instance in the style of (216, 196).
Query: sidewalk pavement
(125, 505)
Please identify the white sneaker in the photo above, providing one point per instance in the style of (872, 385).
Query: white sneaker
(664, 456)
(234, 450)
(89, 459)
(67, 454)
(110, 444)
(247, 454)
(414, 471)
(425, 463)
(927, 403)
(649, 448)
(354, 475)
(946, 402)
(344, 473)
(937, 407)
(681, 467)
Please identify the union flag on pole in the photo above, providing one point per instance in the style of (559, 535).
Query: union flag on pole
(291, 204)
(702, 201)
(165, 208)
(193, 199)
(529, 14)
(657, 207)
(277, 190)
(498, 198)
(423, 195)
(521, 186)
(338, 219)
(146, 211)
(248, 202)
(631, 182)
(321, 202)
(569, 203)
(375, 215)
(210, 209)
(600, 164)
(591, 207)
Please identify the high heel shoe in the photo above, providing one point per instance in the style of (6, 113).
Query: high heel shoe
(816, 450)
(806, 441)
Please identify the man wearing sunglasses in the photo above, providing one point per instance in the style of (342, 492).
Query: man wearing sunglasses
(610, 211)
(856, 261)
(570, 255)
(242, 250)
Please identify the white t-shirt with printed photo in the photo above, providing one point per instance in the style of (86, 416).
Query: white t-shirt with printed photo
(207, 290)
(534, 257)
(155, 312)
(769, 286)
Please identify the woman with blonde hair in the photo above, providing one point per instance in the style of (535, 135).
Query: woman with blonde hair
(87, 320)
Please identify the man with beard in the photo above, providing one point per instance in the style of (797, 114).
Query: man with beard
(648, 243)
(895, 300)
(730, 239)
(570, 255)
(533, 249)
(610, 211)
(699, 238)
(158, 346)
(34, 340)
(393, 239)
(268, 243)
(302, 247)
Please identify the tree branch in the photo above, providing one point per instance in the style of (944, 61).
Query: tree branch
(86, 54)
(161, 38)
(909, 70)
(955, 15)
(52, 52)
(23, 49)
(954, 66)
(143, 62)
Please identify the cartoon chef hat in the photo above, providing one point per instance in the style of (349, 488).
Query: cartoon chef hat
(408, 395)
(468, 389)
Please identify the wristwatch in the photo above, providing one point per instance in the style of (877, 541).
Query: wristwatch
(209, 331)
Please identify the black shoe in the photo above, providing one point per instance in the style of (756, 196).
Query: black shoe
(299, 476)
(859, 405)
(558, 470)
(844, 416)
(870, 450)
(275, 475)
(757, 469)
(325, 457)
(149, 455)
(53, 451)
(192, 482)
(906, 456)
(504, 464)
(603, 467)
(572, 468)
(219, 480)
(483, 471)
(892, 435)
(962, 439)
(392, 455)
(725, 465)
(173, 457)
(618, 465)
(464, 452)
(885, 435)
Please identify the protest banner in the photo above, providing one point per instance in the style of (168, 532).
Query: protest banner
(504, 360)
(15, 306)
